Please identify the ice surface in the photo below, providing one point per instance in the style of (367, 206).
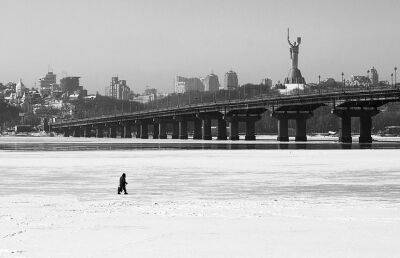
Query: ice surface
(200, 203)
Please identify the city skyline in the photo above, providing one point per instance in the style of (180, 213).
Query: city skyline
(147, 45)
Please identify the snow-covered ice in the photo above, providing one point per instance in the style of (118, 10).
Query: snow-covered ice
(200, 203)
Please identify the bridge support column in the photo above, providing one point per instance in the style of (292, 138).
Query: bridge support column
(99, 131)
(66, 132)
(120, 131)
(87, 131)
(144, 130)
(365, 129)
(156, 131)
(162, 128)
(301, 129)
(207, 128)
(175, 130)
(112, 131)
(345, 132)
(234, 129)
(197, 133)
(127, 131)
(283, 130)
(183, 132)
(137, 130)
(221, 129)
(250, 130)
(301, 124)
(77, 132)
(365, 114)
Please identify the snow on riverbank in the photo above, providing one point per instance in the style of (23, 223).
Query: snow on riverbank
(200, 203)
(66, 227)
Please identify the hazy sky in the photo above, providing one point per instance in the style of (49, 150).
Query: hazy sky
(149, 42)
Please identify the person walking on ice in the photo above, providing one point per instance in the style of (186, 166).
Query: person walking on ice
(122, 184)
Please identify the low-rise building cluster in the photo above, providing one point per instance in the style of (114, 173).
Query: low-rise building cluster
(50, 99)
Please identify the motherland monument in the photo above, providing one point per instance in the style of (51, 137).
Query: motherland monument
(294, 76)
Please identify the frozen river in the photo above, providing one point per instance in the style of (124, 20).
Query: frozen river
(201, 202)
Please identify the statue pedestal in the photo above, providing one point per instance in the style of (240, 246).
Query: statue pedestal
(289, 87)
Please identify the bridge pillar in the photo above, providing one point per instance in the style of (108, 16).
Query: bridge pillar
(250, 130)
(345, 128)
(183, 132)
(77, 132)
(365, 114)
(197, 133)
(112, 131)
(283, 131)
(234, 129)
(127, 131)
(99, 131)
(365, 129)
(345, 132)
(144, 130)
(301, 129)
(66, 132)
(120, 131)
(87, 131)
(221, 129)
(137, 130)
(301, 124)
(156, 131)
(162, 128)
(175, 129)
(207, 128)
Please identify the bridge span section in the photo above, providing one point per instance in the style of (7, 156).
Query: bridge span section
(229, 114)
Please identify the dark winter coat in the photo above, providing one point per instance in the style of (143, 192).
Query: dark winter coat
(122, 181)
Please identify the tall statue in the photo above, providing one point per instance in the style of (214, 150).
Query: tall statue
(295, 74)
(294, 50)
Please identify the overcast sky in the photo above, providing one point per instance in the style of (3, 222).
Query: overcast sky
(149, 42)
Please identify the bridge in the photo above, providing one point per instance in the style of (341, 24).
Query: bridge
(345, 104)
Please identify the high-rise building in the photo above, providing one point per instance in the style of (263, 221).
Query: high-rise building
(123, 90)
(70, 85)
(118, 89)
(211, 83)
(180, 84)
(183, 84)
(47, 84)
(113, 89)
(373, 76)
(230, 81)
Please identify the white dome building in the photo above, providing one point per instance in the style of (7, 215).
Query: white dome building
(19, 88)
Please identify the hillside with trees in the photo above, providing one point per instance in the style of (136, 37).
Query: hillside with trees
(9, 115)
